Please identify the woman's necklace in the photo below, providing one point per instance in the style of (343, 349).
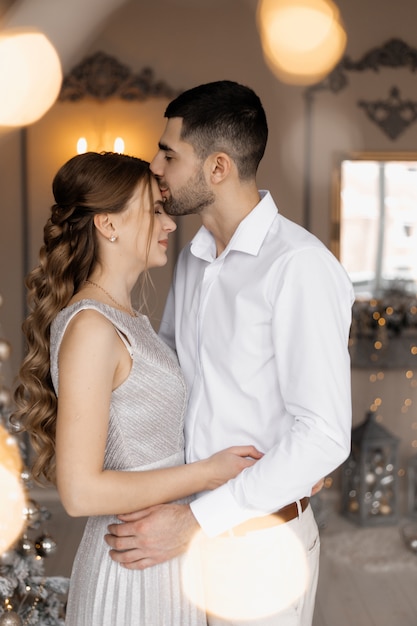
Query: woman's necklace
(130, 311)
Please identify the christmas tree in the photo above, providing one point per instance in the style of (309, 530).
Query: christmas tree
(27, 596)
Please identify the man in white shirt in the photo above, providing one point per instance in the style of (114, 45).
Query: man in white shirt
(259, 314)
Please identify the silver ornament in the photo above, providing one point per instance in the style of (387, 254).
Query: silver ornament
(45, 546)
(10, 619)
(386, 510)
(32, 512)
(25, 475)
(370, 478)
(7, 557)
(26, 547)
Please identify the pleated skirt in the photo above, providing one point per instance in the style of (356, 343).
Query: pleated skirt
(102, 593)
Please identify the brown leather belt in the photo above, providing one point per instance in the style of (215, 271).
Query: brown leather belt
(284, 515)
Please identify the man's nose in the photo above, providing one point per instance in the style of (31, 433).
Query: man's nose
(155, 166)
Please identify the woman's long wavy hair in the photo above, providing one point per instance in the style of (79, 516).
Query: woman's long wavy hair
(87, 184)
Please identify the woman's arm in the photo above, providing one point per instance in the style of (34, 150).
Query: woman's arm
(92, 362)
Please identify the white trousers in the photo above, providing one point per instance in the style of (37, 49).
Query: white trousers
(274, 575)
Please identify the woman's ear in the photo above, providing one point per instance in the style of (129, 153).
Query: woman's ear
(103, 223)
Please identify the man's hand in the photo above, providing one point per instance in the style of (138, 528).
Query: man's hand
(151, 536)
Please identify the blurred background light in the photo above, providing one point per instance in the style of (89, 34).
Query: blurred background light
(12, 493)
(30, 77)
(302, 40)
(102, 143)
(244, 579)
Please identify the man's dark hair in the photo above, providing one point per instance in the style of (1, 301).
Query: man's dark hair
(223, 116)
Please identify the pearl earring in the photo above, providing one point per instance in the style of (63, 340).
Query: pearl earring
(112, 238)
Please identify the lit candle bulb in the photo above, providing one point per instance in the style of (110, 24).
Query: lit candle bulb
(81, 145)
(119, 145)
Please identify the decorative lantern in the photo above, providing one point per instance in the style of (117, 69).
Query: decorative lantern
(412, 487)
(369, 476)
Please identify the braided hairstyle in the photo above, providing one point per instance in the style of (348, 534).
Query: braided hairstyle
(86, 185)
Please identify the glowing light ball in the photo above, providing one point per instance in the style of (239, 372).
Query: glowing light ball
(12, 502)
(9, 452)
(30, 77)
(302, 40)
(246, 578)
(12, 493)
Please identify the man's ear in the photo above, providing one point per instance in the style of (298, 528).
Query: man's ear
(102, 221)
(220, 166)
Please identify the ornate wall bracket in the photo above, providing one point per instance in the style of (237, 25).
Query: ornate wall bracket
(101, 76)
(394, 54)
(393, 116)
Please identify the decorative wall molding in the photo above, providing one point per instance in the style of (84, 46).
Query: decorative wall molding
(101, 76)
(394, 54)
(393, 116)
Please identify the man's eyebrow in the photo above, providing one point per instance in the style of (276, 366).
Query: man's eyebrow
(164, 147)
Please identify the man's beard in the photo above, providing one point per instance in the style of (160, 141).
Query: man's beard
(190, 199)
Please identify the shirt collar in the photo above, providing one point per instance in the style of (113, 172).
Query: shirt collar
(248, 236)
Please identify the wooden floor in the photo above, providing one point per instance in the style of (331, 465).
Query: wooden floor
(367, 576)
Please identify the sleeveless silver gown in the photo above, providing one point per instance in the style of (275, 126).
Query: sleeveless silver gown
(145, 432)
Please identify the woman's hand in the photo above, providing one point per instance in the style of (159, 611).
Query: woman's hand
(229, 463)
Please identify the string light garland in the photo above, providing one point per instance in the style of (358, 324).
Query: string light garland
(384, 332)
(11, 618)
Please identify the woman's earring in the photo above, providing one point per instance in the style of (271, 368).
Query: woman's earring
(112, 238)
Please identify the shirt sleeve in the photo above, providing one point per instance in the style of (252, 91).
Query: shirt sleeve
(311, 304)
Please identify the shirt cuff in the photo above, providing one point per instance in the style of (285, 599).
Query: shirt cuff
(218, 511)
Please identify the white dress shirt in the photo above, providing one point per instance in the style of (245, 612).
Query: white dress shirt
(261, 334)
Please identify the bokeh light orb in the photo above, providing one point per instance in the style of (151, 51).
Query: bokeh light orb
(12, 491)
(10, 456)
(248, 578)
(302, 40)
(12, 503)
(30, 77)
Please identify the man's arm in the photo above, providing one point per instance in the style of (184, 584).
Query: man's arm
(155, 535)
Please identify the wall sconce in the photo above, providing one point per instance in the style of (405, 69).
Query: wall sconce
(30, 77)
(118, 146)
(302, 40)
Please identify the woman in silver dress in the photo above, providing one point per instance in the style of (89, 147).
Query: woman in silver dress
(101, 396)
